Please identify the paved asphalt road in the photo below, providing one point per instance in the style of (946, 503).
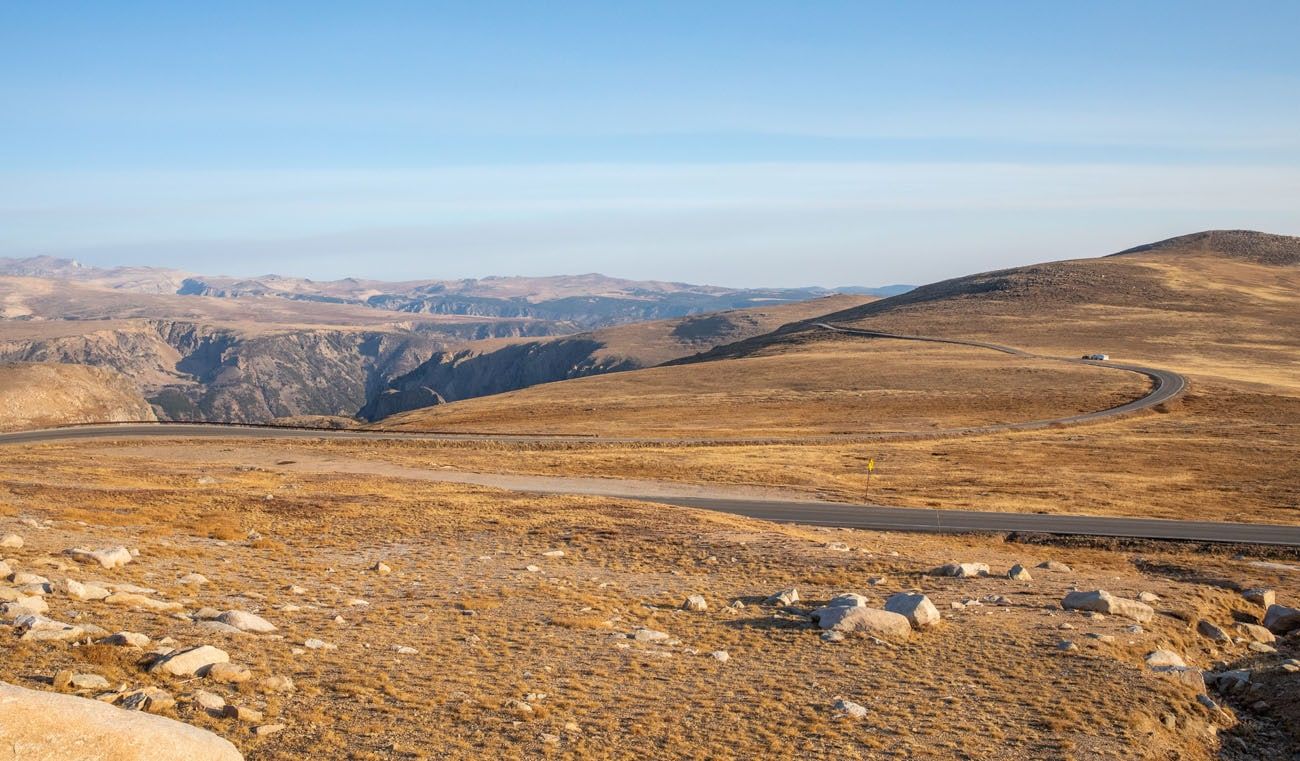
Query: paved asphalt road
(1166, 385)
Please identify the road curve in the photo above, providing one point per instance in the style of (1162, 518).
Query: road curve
(1166, 385)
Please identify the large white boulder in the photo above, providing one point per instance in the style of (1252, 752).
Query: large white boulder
(860, 618)
(1101, 601)
(190, 661)
(246, 622)
(916, 608)
(48, 726)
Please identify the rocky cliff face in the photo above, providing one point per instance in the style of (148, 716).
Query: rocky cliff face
(197, 372)
(467, 374)
(40, 395)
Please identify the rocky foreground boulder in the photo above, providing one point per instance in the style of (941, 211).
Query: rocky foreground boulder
(1280, 619)
(48, 726)
(863, 620)
(1101, 601)
(917, 608)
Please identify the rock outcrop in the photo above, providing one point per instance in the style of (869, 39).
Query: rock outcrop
(47, 726)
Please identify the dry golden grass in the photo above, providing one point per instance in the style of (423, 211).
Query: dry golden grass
(988, 684)
(833, 386)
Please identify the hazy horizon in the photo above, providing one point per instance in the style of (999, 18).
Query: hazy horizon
(743, 144)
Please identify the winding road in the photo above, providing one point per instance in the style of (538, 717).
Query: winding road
(1166, 385)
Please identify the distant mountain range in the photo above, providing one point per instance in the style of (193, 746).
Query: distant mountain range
(586, 301)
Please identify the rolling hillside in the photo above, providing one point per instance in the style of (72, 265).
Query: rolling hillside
(41, 395)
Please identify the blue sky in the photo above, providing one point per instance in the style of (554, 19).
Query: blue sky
(742, 143)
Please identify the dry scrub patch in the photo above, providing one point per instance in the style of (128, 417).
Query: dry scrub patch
(988, 683)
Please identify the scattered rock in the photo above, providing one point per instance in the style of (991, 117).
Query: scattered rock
(916, 608)
(553, 554)
(25, 605)
(695, 603)
(246, 622)
(1256, 633)
(210, 701)
(1210, 631)
(1192, 677)
(405, 650)
(125, 639)
(961, 570)
(849, 709)
(1230, 682)
(193, 579)
(189, 661)
(847, 600)
(277, 684)
(228, 673)
(784, 597)
(1019, 573)
(133, 600)
(1280, 619)
(151, 699)
(1164, 658)
(112, 557)
(1261, 597)
(721, 656)
(648, 635)
(38, 628)
(1148, 597)
(1101, 601)
(1066, 645)
(319, 644)
(240, 713)
(47, 726)
(21, 578)
(88, 682)
(11, 542)
(1052, 565)
(268, 729)
(381, 568)
(78, 591)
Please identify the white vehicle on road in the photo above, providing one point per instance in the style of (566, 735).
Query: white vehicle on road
(1097, 357)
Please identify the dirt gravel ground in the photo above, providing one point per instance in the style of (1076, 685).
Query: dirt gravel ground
(518, 653)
